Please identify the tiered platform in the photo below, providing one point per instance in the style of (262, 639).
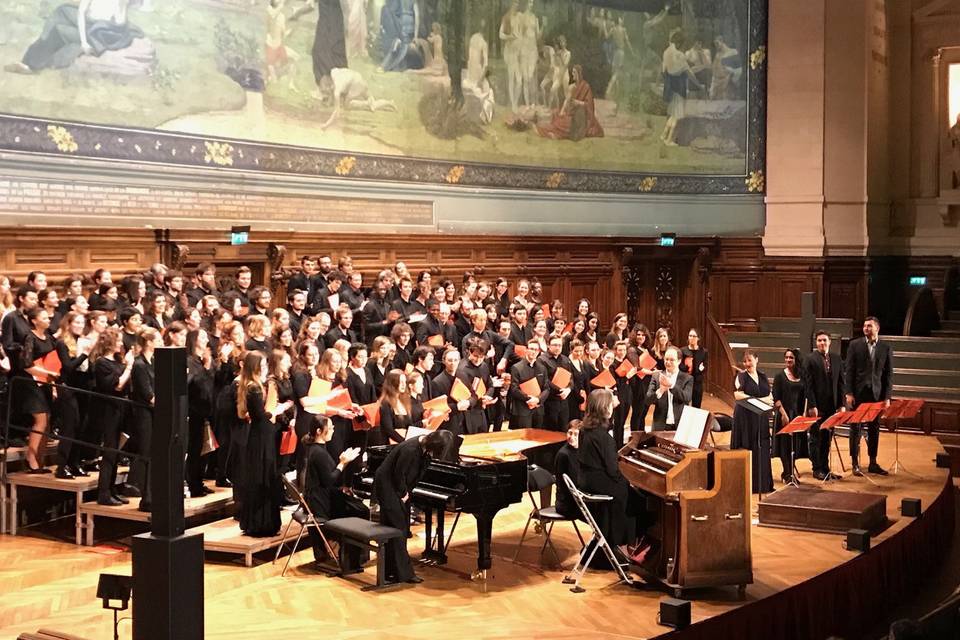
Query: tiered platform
(224, 536)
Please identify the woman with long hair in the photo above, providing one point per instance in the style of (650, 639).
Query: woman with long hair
(395, 411)
(640, 342)
(34, 399)
(749, 431)
(282, 338)
(112, 372)
(590, 333)
(661, 342)
(378, 362)
(302, 375)
(618, 330)
(790, 402)
(332, 368)
(258, 480)
(141, 418)
(401, 335)
(580, 379)
(278, 381)
(75, 372)
(415, 385)
(226, 425)
(695, 363)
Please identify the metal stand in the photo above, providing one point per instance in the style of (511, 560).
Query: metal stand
(897, 466)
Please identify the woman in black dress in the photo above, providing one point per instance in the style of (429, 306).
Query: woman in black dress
(661, 342)
(618, 330)
(73, 350)
(199, 407)
(332, 368)
(34, 399)
(415, 383)
(394, 480)
(567, 464)
(790, 401)
(259, 508)
(748, 432)
(142, 394)
(580, 379)
(395, 410)
(111, 374)
(379, 362)
(695, 363)
(639, 347)
(278, 378)
(302, 376)
(402, 336)
(321, 481)
(226, 426)
(329, 43)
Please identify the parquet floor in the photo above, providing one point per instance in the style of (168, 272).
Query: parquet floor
(52, 584)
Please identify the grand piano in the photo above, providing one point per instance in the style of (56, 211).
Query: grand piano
(701, 502)
(490, 473)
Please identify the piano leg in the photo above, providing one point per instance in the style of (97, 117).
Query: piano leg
(434, 553)
(484, 540)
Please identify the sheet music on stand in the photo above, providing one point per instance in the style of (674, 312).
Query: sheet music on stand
(760, 404)
(692, 429)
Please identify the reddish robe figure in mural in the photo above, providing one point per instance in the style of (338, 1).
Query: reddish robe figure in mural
(578, 117)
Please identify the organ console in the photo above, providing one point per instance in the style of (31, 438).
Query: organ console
(701, 501)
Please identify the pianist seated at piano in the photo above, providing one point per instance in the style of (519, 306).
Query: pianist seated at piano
(322, 486)
(600, 474)
(669, 392)
(392, 483)
(567, 464)
(748, 432)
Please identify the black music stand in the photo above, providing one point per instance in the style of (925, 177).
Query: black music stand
(766, 414)
(800, 424)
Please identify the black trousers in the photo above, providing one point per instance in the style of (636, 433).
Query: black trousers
(819, 442)
(109, 417)
(70, 409)
(697, 398)
(873, 440)
(556, 414)
(142, 424)
(194, 465)
(395, 513)
(527, 419)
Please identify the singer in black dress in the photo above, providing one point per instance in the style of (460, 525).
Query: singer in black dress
(789, 398)
(748, 432)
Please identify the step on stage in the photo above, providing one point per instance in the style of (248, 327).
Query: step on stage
(806, 585)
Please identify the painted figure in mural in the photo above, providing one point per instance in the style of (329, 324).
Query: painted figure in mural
(529, 34)
(578, 117)
(510, 43)
(649, 57)
(480, 99)
(280, 58)
(727, 71)
(676, 73)
(557, 78)
(434, 62)
(478, 57)
(621, 44)
(350, 91)
(701, 62)
(93, 27)
(399, 29)
(355, 26)
(329, 44)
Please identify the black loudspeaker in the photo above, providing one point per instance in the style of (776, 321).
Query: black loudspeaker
(910, 507)
(857, 540)
(943, 460)
(674, 613)
(168, 587)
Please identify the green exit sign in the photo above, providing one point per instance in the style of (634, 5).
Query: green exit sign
(918, 281)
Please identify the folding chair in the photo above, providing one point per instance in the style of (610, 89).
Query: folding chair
(719, 423)
(538, 479)
(304, 516)
(597, 541)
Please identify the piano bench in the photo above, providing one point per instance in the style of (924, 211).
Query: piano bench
(364, 534)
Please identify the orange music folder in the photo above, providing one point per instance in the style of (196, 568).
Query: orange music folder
(408, 369)
(531, 387)
(372, 414)
(431, 423)
(562, 378)
(435, 341)
(604, 379)
(688, 363)
(520, 350)
(459, 391)
(288, 442)
(626, 370)
(479, 387)
(546, 310)
(319, 387)
(272, 400)
(647, 362)
(436, 405)
(339, 399)
(568, 328)
(51, 362)
(797, 425)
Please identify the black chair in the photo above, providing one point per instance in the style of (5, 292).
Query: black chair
(539, 479)
(305, 518)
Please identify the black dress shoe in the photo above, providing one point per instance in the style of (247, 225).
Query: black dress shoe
(92, 467)
(38, 470)
(78, 471)
(877, 469)
(129, 490)
(199, 492)
(414, 579)
(224, 483)
(109, 501)
(820, 475)
(64, 473)
(834, 476)
(857, 472)
(119, 498)
(144, 506)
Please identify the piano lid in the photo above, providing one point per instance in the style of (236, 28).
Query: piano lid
(505, 446)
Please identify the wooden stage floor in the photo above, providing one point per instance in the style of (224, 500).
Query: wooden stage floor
(52, 583)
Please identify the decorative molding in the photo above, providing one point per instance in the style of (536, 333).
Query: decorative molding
(276, 255)
(666, 294)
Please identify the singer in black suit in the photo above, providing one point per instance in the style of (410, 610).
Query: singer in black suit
(669, 391)
(823, 387)
(869, 378)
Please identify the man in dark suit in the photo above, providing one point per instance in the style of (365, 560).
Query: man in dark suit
(869, 378)
(823, 387)
(342, 331)
(669, 391)
(527, 410)
(302, 279)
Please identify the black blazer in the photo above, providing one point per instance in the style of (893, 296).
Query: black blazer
(866, 380)
(823, 392)
(681, 393)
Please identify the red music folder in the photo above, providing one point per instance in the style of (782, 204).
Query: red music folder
(459, 391)
(604, 379)
(562, 378)
(435, 341)
(647, 362)
(520, 350)
(797, 425)
(531, 387)
(288, 441)
(626, 370)
(688, 364)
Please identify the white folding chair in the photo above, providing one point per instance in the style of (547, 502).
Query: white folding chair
(304, 516)
(597, 541)
(538, 479)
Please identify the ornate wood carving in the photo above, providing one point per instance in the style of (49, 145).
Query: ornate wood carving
(276, 254)
(666, 294)
(178, 255)
(632, 277)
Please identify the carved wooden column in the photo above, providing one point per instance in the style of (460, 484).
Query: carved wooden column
(632, 277)
(666, 294)
(276, 254)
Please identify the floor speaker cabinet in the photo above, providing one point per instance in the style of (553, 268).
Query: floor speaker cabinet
(943, 460)
(857, 540)
(168, 587)
(674, 613)
(910, 507)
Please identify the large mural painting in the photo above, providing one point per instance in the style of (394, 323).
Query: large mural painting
(596, 95)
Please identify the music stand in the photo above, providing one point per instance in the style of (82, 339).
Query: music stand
(897, 411)
(764, 413)
(860, 416)
(800, 424)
